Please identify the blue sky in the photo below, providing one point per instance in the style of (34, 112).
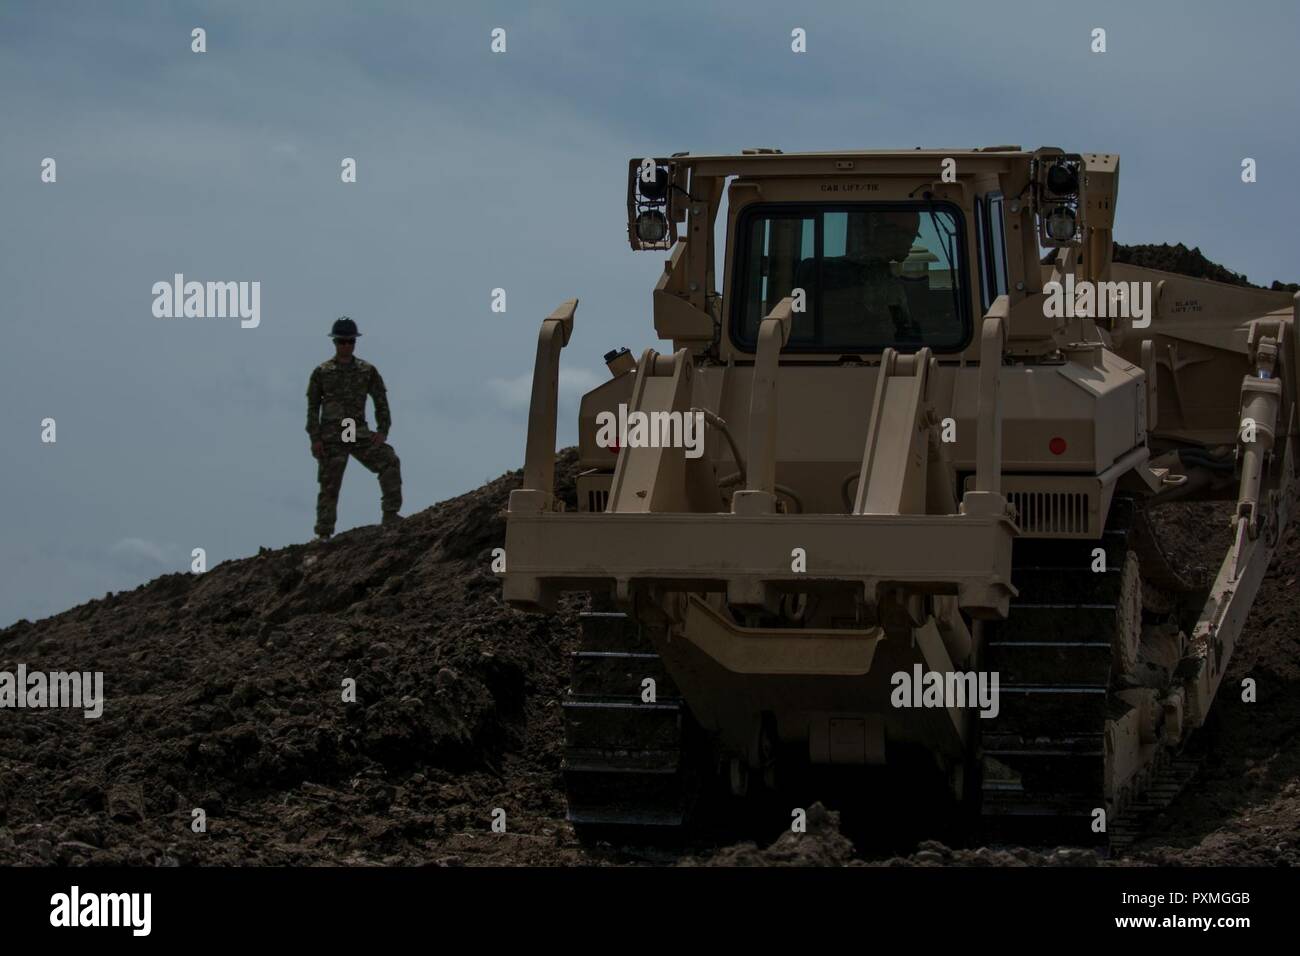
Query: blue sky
(476, 171)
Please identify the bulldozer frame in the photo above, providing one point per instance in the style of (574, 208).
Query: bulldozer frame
(943, 500)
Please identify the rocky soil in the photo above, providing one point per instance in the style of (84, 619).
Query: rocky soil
(224, 692)
(1192, 262)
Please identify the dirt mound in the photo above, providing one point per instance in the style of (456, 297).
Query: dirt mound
(821, 844)
(1182, 261)
(1244, 807)
(224, 692)
(1178, 258)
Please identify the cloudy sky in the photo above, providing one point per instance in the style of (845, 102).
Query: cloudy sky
(476, 171)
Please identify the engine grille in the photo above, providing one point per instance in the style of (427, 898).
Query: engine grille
(593, 490)
(1051, 512)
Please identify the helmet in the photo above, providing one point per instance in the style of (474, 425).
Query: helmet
(344, 328)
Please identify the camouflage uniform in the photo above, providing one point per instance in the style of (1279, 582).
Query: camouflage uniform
(338, 390)
(886, 307)
(869, 306)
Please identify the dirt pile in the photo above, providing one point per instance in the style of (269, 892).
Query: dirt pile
(820, 844)
(224, 692)
(1189, 262)
(1244, 807)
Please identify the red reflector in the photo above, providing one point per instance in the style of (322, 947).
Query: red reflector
(1057, 445)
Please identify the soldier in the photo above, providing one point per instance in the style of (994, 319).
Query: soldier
(885, 238)
(337, 391)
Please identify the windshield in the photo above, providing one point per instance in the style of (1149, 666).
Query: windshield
(873, 276)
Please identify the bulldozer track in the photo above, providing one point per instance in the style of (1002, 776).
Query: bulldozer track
(627, 761)
(632, 766)
(1171, 777)
(1063, 655)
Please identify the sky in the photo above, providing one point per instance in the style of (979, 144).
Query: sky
(476, 171)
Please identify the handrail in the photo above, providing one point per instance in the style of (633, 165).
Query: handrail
(539, 459)
(986, 497)
(988, 440)
(773, 334)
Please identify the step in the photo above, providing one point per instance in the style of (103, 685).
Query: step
(610, 631)
(1068, 623)
(1061, 710)
(618, 673)
(624, 797)
(1072, 778)
(1086, 663)
(1027, 552)
(1057, 585)
(611, 725)
(595, 760)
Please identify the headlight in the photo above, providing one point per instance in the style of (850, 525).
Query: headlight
(1063, 179)
(1061, 223)
(654, 190)
(651, 226)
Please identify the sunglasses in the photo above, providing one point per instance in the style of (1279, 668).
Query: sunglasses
(345, 341)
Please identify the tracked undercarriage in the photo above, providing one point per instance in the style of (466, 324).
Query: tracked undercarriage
(905, 458)
(1090, 722)
(1092, 701)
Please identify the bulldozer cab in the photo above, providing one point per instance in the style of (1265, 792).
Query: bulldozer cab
(876, 249)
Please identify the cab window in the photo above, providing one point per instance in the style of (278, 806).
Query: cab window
(996, 245)
(872, 276)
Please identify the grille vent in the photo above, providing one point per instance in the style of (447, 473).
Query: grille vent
(1051, 512)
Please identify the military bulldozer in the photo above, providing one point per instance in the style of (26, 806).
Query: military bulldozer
(890, 490)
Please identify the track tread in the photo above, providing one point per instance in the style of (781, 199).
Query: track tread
(1044, 755)
(625, 761)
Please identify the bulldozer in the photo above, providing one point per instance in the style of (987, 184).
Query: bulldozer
(890, 491)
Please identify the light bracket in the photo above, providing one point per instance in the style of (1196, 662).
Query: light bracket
(652, 190)
(1057, 181)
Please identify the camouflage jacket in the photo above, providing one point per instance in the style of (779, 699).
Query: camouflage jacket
(338, 390)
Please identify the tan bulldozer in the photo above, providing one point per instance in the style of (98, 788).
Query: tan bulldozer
(888, 491)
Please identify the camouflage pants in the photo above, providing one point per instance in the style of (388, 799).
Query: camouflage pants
(380, 459)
